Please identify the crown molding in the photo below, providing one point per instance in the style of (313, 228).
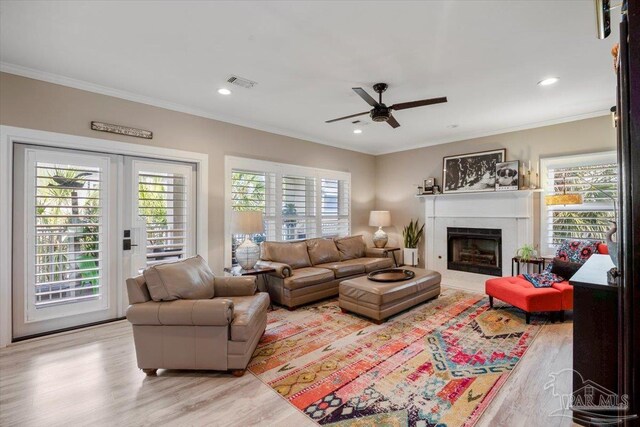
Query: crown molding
(142, 99)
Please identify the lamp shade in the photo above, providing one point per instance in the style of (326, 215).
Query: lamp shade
(380, 219)
(563, 199)
(247, 222)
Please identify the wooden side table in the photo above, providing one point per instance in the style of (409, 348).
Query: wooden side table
(256, 271)
(516, 261)
(393, 251)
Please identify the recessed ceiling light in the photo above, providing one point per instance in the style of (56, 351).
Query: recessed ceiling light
(452, 126)
(224, 91)
(357, 131)
(549, 81)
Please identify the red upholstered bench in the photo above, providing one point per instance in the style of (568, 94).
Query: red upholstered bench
(520, 293)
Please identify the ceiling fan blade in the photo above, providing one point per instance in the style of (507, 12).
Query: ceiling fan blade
(347, 117)
(393, 122)
(421, 103)
(364, 95)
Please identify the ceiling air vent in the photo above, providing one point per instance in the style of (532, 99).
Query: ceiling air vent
(242, 82)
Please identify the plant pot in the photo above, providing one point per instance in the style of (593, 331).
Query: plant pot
(410, 256)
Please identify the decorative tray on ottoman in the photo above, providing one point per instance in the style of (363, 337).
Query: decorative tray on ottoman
(391, 275)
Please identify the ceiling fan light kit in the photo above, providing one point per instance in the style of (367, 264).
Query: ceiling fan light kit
(382, 113)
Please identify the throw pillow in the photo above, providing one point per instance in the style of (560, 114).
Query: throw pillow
(351, 247)
(187, 279)
(565, 269)
(295, 255)
(576, 250)
(322, 251)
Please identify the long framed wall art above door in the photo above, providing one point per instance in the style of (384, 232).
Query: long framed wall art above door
(78, 215)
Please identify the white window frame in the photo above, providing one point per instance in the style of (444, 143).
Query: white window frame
(280, 169)
(9, 135)
(587, 159)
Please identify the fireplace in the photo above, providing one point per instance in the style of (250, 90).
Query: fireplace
(475, 250)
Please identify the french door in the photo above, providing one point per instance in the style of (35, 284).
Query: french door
(85, 221)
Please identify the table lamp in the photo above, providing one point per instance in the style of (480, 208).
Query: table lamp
(380, 219)
(247, 223)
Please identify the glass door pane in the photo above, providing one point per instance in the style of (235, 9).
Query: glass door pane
(62, 217)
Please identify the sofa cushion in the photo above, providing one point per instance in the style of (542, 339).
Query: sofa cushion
(187, 279)
(351, 247)
(322, 251)
(373, 264)
(292, 254)
(248, 313)
(345, 268)
(308, 276)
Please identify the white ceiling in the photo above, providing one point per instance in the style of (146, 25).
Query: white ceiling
(485, 56)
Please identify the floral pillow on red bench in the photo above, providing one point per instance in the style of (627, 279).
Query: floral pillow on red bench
(569, 252)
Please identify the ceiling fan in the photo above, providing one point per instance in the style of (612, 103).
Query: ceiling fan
(382, 113)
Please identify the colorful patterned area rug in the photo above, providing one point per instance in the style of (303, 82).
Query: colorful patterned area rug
(439, 364)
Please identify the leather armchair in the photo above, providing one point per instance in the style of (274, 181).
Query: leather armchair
(220, 333)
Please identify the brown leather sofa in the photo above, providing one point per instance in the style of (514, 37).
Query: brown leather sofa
(311, 270)
(185, 318)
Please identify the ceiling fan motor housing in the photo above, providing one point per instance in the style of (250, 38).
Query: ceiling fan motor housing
(380, 114)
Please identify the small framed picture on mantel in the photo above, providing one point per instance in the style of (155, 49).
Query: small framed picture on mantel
(507, 177)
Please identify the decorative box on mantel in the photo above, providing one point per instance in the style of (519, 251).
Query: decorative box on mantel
(497, 223)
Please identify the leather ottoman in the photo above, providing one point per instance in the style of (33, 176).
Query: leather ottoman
(379, 301)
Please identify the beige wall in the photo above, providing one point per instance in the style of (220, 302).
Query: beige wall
(383, 182)
(398, 174)
(39, 105)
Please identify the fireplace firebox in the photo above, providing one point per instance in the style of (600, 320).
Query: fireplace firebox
(475, 250)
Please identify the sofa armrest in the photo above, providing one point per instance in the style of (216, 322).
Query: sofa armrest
(238, 286)
(191, 312)
(376, 253)
(282, 270)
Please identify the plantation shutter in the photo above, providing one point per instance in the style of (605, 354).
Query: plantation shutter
(68, 234)
(253, 191)
(335, 207)
(598, 185)
(298, 202)
(298, 207)
(162, 202)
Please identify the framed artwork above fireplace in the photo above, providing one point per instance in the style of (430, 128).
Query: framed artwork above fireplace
(472, 172)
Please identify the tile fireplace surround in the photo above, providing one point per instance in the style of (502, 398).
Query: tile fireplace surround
(510, 211)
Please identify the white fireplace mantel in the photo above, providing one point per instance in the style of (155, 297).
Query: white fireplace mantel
(510, 211)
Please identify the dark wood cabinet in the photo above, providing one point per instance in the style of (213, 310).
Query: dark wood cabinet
(595, 339)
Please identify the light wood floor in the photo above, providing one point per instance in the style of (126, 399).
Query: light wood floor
(90, 377)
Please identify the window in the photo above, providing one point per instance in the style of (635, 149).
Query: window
(162, 202)
(68, 245)
(298, 207)
(298, 202)
(249, 192)
(335, 207)
(595, 177)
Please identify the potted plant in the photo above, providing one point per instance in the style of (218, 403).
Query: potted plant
(527, 252)
(412, 234)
